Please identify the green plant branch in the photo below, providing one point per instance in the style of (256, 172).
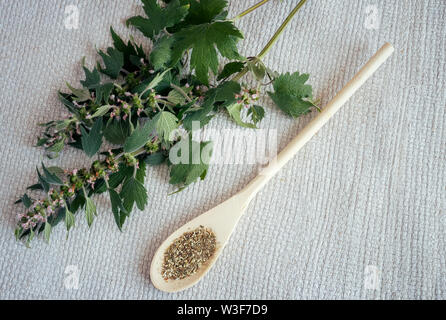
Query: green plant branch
(274, 39)
(246, 12)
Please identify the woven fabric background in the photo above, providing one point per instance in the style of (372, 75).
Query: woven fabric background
(367, 193)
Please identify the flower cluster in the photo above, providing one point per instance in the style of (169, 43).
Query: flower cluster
(247, 96)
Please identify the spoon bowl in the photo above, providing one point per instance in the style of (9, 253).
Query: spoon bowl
(221, 220)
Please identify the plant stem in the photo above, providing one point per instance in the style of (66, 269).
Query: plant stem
(280, 30)
(254, 7)
(274, 38)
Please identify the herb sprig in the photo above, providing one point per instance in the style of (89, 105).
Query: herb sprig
(144, 106)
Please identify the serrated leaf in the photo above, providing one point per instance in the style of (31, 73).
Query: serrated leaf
(162, 52)
(226, 92)
(129, 50)
(113, 61)
(165, 124)
(51, 178)
(191, 166)
(132, 192)
(119, 212)
(155, 82)
(92, 78)
(101, 111)
(176, 97)
(141, 172)
(26, 201)
(103, 92)
(78, 202)
(92, 141)
(201, 115)
(117, 131)
(124, 172)
(45, 185)
(57, 171)
(139, 137)
(56, 217)
(292, 95)
(90, 211)
(203, 40)
(257, 113)
(230, 69)
(158, 18)
(206, 11)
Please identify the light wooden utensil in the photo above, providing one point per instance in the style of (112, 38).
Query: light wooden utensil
(224, 218)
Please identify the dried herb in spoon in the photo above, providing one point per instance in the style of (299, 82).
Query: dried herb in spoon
(188, 253)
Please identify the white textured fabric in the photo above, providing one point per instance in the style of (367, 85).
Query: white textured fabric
(369, 190)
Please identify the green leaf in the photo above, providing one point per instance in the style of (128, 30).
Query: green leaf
(191, 165)
(90, 211)
(119, 212)
(113, 61)
(158, 18)
(226, 92)
(70, 106)
(155, 159)
(230, 69)
(165, 124)
(141, 172)
(129, 50)
(155, 82)
(92, 141)
(36, 186)
(69, 219)
(56, 217)
(206, 11)
(103, 92)
(81, 94)
(201, 115)
(139, 137)
(257, 113)
(162, 52)
(117, 131)
(102, 111)
(92, 78)
(45, 185)
(203, 39)
(62, 124)
(47, 231)
(51, 177)
(235, 111)
(26, 201)
(78, 202)
(292, 95)
(57, 147)
(132, 192)
(176, 97)
(116, 178)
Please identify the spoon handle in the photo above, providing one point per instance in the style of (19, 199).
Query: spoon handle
(311, 129)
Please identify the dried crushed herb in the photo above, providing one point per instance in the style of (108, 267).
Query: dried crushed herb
(188, 253)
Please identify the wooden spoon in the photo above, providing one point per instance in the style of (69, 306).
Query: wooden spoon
(223, 219)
